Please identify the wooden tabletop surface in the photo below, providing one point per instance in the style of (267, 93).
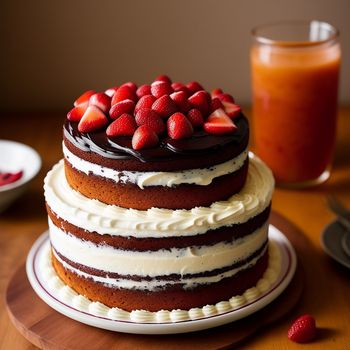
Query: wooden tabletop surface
(327, 284)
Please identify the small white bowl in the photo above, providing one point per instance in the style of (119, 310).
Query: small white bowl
(14, 157)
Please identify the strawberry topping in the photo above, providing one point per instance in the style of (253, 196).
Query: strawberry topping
(125, 125)
(101, 100)
(125, 106)
(200, 100)
(181, 101)
(164, 106)
(76, 113)
(160, 88)
(195, 116)
(194, 86)
(146, 116)
(144, 137)
(145, 102)
(231, 109)
(92, 120)
(84, 97)
(124, 93)
(179, 127)
(143, 90)
(219, 123)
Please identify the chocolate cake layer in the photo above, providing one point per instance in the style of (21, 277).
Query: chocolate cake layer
(129, 195)
(222, 234)
(174, 297)
(202, 150)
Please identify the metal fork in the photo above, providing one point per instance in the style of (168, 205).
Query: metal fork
(340, 210)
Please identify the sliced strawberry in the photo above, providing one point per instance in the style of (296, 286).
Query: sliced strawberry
(181, 101)
(76, 113)
(110, 92)
(143, 90)
(195, 116)
(303, 330)
(144, 137)
(164, 106)
(216, 104)
(231, 109)
(194, 86)
(8, 178)
(160, 88)
(164, 78)
(216, 92)
(225, 98)
(146, 116)
(124, 93)
(92, 120)
(125, 125)
(125, 106)
(181, 87)
(101, 100)
(200, 100)
(179, 127)
(131, 85)
(84, 97)
(145, 102)
(219, 123)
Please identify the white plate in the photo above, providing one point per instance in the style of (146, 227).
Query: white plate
(99, 317)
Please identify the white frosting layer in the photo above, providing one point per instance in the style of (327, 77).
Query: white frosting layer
(181, 261)
(93, 215)
(68, 296)
(200, 177)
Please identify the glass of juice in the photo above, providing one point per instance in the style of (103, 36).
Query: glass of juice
(295, 73)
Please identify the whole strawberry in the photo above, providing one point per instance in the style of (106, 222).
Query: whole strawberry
(303, 329)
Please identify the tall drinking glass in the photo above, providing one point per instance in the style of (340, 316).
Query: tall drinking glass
(295, 72)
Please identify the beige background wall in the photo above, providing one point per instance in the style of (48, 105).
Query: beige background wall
(53, 50)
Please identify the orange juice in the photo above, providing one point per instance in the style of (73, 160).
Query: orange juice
(295, 106)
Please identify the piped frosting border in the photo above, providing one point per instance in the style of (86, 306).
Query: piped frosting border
(68, 296)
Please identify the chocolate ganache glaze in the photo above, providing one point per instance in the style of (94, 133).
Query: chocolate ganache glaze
(199, 144)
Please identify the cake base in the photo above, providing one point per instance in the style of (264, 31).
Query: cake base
(39, 323)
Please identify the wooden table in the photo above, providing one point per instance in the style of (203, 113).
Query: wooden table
(327, 285)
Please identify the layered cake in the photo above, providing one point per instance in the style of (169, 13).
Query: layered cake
(157, 204)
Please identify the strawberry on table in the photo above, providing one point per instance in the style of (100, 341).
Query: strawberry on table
(125, 125)
(303, 329)
(179, 127)
(144, 137)
(92, 120)
(219, 123)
